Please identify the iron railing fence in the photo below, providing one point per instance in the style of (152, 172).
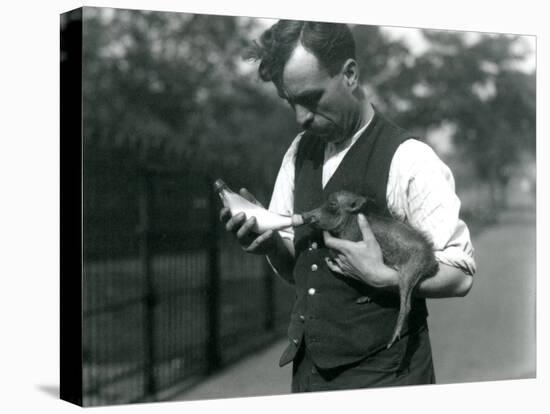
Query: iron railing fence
(168, 297)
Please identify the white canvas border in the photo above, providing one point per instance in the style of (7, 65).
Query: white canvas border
(30, 193)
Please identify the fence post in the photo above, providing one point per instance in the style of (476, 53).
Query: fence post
(145, 212)
(214, 358)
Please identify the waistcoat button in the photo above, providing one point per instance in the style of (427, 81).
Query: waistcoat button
(311, 291)
(314, 267)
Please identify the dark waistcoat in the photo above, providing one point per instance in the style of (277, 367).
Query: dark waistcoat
(340, 319)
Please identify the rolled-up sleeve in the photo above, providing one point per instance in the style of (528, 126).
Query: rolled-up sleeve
(421, 191)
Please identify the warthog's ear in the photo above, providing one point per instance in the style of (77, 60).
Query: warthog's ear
(358, 204)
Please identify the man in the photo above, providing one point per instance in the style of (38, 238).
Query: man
(346, 308)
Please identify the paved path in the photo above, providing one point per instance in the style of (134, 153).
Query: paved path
(487, 335)
(490, 333)
(256, 375)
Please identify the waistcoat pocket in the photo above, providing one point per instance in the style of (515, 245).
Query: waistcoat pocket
(385, 360)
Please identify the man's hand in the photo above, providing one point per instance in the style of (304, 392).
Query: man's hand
(361, 260)
(250, 241)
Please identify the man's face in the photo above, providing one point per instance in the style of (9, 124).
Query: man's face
(323, 104)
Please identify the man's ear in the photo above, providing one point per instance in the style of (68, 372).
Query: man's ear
(358, 204)
(350, 70)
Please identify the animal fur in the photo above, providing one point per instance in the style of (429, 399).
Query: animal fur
(404, 248)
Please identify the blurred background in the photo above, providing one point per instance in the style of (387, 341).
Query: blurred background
(169, 105)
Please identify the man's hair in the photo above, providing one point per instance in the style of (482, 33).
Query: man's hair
(331, 43)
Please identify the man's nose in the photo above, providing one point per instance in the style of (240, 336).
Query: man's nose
(304, 117)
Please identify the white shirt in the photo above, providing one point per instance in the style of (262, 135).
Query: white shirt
(420, 191)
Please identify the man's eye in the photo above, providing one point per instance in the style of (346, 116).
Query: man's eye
(311, 101)
(307, 101)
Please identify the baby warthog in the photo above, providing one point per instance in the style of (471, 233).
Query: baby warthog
(404, 248)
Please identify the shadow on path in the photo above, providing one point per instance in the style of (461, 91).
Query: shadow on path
(256, 375)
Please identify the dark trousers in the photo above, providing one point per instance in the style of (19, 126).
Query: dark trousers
(407, 362)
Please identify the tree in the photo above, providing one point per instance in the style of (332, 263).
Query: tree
(472, 84)
(174, 86)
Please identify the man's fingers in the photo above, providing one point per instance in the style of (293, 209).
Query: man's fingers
(259, 240)
(225, 215)
(335, 243)
(248, 195)
(339, 262)
(365, 227)
(333, 266)
(235, 222)
(246, 228)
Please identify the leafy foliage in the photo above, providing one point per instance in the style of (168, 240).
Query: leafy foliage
(173, 86)
(469, 83)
